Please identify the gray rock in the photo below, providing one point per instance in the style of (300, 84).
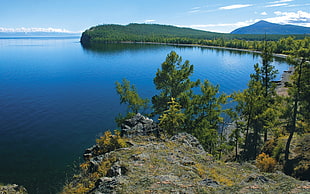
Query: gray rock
(116, 170)
(91, 152)
(139, 125)
(105, 185)
(256, 178)
(188, 140)
(209, 182)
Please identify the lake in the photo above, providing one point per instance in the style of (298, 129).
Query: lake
(57, 97)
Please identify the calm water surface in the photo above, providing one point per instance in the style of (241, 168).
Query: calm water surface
(56, 97)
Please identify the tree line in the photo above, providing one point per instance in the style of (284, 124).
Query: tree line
(175, 35)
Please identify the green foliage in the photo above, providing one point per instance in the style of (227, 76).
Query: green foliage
(204, 115)
(175, 35)
(173, 82)
(129, 95)
(172, 119)
(298, 102)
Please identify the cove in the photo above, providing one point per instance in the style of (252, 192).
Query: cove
(56, 97)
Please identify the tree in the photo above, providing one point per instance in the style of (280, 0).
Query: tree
(173, 82)
(249, 110)
(298, 101)
(203, 115)
(172, 119)
(129, 95)
(236, 137)
(268, 74)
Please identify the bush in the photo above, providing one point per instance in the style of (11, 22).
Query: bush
(265, 163)
(109, 142)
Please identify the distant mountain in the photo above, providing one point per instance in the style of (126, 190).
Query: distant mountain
(37, 34)
(263, 27)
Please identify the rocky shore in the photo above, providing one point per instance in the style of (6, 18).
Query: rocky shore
(281, 88)
(154, 163)
(12, 189)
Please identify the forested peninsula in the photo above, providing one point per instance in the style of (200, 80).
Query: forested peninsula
(156, 33)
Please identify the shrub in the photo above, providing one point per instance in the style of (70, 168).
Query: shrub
(109, 142)
(265, 163)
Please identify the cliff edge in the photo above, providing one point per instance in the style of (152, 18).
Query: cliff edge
(149, 162)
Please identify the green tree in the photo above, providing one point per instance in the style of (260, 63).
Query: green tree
(249, 109)
(236, 137)
(298, 102)
(203, 115)
(129, 95)
(173, 82)
(268, 74)
(172, 119)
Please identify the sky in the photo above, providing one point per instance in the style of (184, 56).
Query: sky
(209, 15)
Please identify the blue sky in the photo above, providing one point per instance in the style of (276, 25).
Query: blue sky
(216, 16)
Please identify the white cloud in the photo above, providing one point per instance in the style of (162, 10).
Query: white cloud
(277, 5)
(194, 11)
(264, 13)
(226, 27)
(22, 29)
(282, 1)
(196, 8)
(297, 18)
(237, 6)
(149, 21)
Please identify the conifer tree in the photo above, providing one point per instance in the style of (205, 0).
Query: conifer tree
(172, 119)
(298, 102)
(268, 74)
(129, 95)
(172, 80)
(203, 115)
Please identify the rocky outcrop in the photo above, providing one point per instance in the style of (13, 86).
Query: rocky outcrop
(12, 189)
(153, 164)
(139, 125)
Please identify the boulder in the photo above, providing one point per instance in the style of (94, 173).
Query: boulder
(139, 125)
(187, 140)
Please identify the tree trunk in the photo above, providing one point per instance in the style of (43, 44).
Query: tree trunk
(287, 147)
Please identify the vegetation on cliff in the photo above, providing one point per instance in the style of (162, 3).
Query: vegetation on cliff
(176, 164)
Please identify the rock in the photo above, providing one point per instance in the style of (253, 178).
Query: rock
(139, 125)
(13, 189)
(105, 185)
(95, 163)
(256, 178)
(91, 152)
(209, 182)
(116, 170)
(188, 140)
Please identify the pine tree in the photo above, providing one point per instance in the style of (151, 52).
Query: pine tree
(129, 95)
(298, 101)
(172, 80)
(203, 115)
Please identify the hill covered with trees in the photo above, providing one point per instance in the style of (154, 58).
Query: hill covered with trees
(161, 33)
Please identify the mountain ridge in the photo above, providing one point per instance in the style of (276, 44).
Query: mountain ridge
(264, 27)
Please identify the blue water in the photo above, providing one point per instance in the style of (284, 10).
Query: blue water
(56, 97)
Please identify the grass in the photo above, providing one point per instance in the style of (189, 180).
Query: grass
(162, 166)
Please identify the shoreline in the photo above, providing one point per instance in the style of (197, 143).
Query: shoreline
(283, 56)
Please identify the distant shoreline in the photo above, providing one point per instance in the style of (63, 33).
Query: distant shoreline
(204, 46)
